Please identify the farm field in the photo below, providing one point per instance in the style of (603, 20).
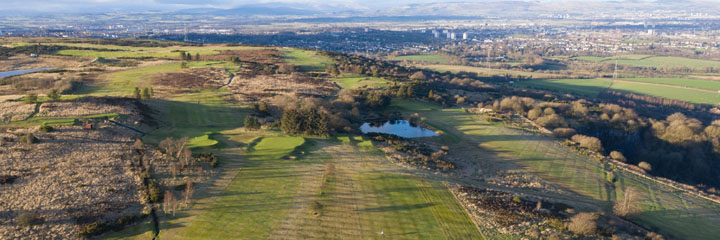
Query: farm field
(429, 58)
(669, 211)
(683, 82)
(593, 87)
(652, 61)
(484, 71)
(352, 81)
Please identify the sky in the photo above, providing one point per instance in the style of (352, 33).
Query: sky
(105, 5)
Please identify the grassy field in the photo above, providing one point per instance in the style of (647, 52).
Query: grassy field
(652, 61)
(592, 87)
(429, 58)
(584, 87)
(352, 81)
(277, 197)
(666, 210)
(683, 82)
(484, 71)
(305, 60)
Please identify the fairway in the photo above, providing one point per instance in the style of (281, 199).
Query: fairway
(272, 196)
(584, 87)
(671, 212)
(306, 60)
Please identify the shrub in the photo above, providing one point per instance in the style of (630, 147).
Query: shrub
(54, 94)
(552, 121)
(618, 156)
(610, 177)
(29, 219)
(30, 98)
(583, 224)
(645, 166)
(46, 128)
(563, 132)
(92, 229)
(29, 138)
(591, 143)
(154, 191)
(252, 123)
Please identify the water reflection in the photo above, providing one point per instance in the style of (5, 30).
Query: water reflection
(401, 128)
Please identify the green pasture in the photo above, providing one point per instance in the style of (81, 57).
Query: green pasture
(683, 82)
(584, 87)
(652, 61)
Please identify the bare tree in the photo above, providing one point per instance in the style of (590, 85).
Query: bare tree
(169, 203)
(630, 204)
(189, 190)
(583, 224)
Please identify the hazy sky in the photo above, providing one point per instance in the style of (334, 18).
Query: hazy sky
(105, 5)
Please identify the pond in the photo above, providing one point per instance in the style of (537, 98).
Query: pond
(401, 128)
(20, 72)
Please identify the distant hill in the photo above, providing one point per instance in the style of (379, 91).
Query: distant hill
(251, 10)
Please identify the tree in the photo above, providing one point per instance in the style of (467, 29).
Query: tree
(333, 70)
(197, 57)
(645, 166)
(591, 143)
(418, 76)
(54, 95)
(30, 98)
(169, 203)
(618, 156)
(630, 204)
(145, 94)
(183, 65)
(189, 190)
(252, 123)
(152, 93)
(137, 93)
(583, 224)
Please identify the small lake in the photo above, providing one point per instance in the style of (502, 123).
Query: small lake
(20, 72)
(401, 128)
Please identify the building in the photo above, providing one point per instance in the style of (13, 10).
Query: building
(465, 36)
(452, 35)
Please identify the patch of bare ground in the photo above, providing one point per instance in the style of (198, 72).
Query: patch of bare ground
(87, 106)
(44, 61)
(251, 89)
(193, 78)
(15, 111)
(69, 178)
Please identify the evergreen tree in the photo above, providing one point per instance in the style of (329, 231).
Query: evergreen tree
(137, 93)
(145, 94)
(252, 123)
(54, 94)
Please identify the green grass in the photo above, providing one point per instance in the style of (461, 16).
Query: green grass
(592, 87)
(684, 82)
(306, 60)
(584, 87)
(352, 81)
(141, 52)
(679, 93)
(429, 58)
(665, 209)
(123, 83)
(652, 61)
(484, 71)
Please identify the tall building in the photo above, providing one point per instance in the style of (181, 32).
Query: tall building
(465, 36)
(452, 35)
